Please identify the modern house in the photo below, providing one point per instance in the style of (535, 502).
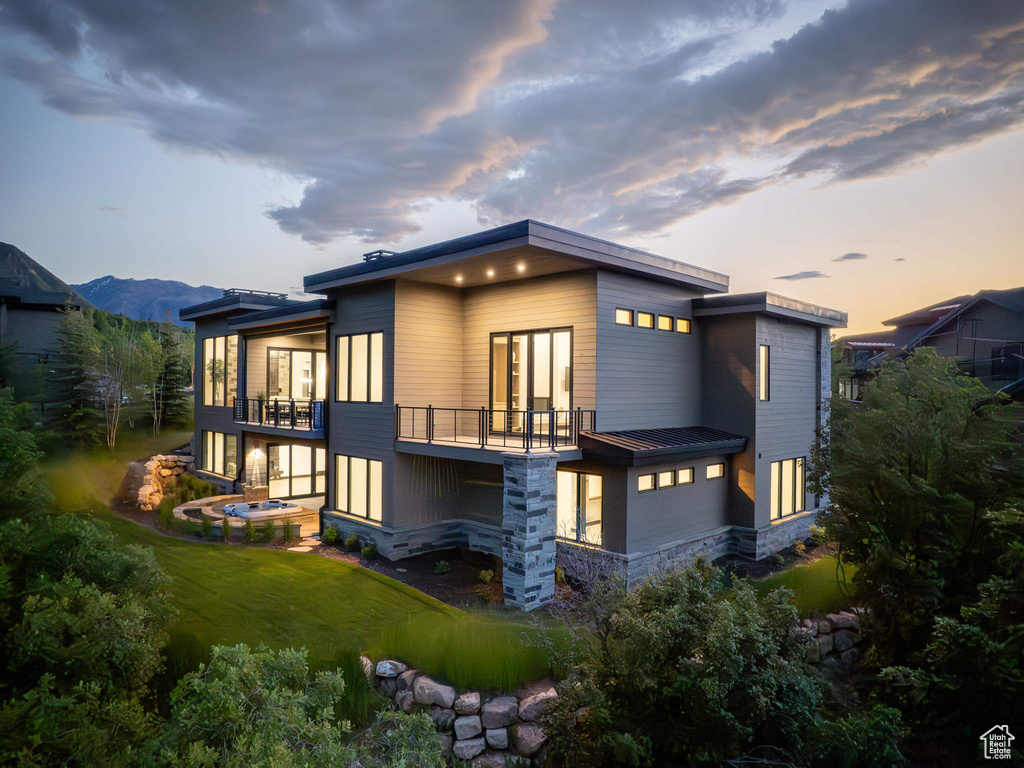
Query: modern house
(528, 392)
(983, 332)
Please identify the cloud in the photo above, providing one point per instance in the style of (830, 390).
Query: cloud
(851, 257)
(618, 119)
(807, 275)
(111, 209)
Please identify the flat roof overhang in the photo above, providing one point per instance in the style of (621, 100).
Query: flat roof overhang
(539, 248)
(643, 447)
(771, 304)
(315, 313)
(233, 303)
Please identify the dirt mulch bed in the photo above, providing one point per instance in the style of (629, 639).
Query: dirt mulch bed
(741, 567)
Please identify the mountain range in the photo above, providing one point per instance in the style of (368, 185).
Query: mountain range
(149, 299)
(20, 272)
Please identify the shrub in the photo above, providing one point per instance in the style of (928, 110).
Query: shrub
(351, 543)
(442, 567)
(331, 535)
(288, 531)
(559, 574)
(779, 558)
(206, 527)
(799, 547)
(192, 528)
(225, 531)
(486, 576)
(267, 531)
(165, 513)
(868, 740)
(818, 535)
(369, 552)
(249, 532)
(397, 740)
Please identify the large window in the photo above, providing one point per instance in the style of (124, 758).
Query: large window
(764, 373)
(296, 470)
(530, 371)
(220, 370)
(296, 374)
(220, 453)
(579, 500)
(788, 487)
(357, 486)
(361, 368)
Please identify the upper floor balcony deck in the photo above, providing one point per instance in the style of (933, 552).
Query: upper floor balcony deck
(294, 414)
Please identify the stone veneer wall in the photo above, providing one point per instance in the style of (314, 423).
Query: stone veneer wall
(528, 529)
(396, 543)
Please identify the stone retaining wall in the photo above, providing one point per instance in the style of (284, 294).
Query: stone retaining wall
(495, 731)
(836, 639)
(160, 470)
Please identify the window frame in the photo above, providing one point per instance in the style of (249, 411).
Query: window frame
(370, 368)
(208, 387)
(679, 474)
(529, 333)
(209, 455)
(798, 491)
(374, 475)
(640, 314)
(672, 474)
(764, 373)
(654, 482)
(687, 328)
(720, 465)
(671, 322)
(627, 311)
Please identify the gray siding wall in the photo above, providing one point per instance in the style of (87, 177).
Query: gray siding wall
(428, 345)
(977, 334)
(366, 430)
(214, 418)
(554, 301)
(433, 489)
(728, 382)
(645, 378)
(35, 334)
(666, 515)
(613, 503)
(786, 424)
(256, 356)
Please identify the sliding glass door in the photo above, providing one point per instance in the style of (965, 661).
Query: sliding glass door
(530, 371)
(579, 502)
(296, 470)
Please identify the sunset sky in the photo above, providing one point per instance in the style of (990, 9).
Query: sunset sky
(868, 156)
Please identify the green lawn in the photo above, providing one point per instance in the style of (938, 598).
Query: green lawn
(227, 594)
(815, 586)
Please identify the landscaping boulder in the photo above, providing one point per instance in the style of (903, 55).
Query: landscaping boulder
(407, 678)
(535, 706)
(388, 686)
(500, 711)
(497, 738)
(407, 702)
(468, 703)
(847, 660)
(429, 691)
(490, 760)
(824, 627)
(810, 627)
(447, 740)
(844, 639)
(824, 644)
(466, 749)
(367, 667)
(468, 726)
(527, 738)
(390, 668)
(443, 718)
(842, 620)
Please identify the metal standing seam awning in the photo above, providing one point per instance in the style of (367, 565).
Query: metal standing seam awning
(640, 447)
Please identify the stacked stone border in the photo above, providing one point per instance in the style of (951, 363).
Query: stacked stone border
(836, 639)
(160, 470)
(488, 731)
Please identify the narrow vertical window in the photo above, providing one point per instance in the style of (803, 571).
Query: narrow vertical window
(230, 455)
(341, 372)
(375, 488)
(764, 376)
(232, 370)
(341, 483)
(776, 486)
(800, 485)
(377, 367)
(207, 372)
(357, 486)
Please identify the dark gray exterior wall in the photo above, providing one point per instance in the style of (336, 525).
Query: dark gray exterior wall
(35, 334)
(976, 334)
(214, 418)
(366, 430)
(663, 516)
(728, 381)
(645, 378)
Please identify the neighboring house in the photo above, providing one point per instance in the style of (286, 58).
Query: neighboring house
(983, 332)
(520, 387)
(30, 327)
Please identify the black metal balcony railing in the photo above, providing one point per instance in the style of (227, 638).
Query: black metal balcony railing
(287, 414)
(485, 427)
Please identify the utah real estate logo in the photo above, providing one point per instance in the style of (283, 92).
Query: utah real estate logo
(997, 742)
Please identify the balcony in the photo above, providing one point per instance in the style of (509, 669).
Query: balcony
(486, 429)
(270, 415)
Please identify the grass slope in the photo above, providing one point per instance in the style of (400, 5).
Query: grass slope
(816, 586)
(227, 594)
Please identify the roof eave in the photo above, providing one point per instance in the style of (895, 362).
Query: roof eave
(597, 450)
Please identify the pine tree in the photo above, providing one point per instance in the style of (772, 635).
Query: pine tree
(74, 414)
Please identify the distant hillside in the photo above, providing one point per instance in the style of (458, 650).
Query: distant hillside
(19, 269)
(149, 299)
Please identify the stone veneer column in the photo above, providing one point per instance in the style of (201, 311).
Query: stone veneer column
(528, 529)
